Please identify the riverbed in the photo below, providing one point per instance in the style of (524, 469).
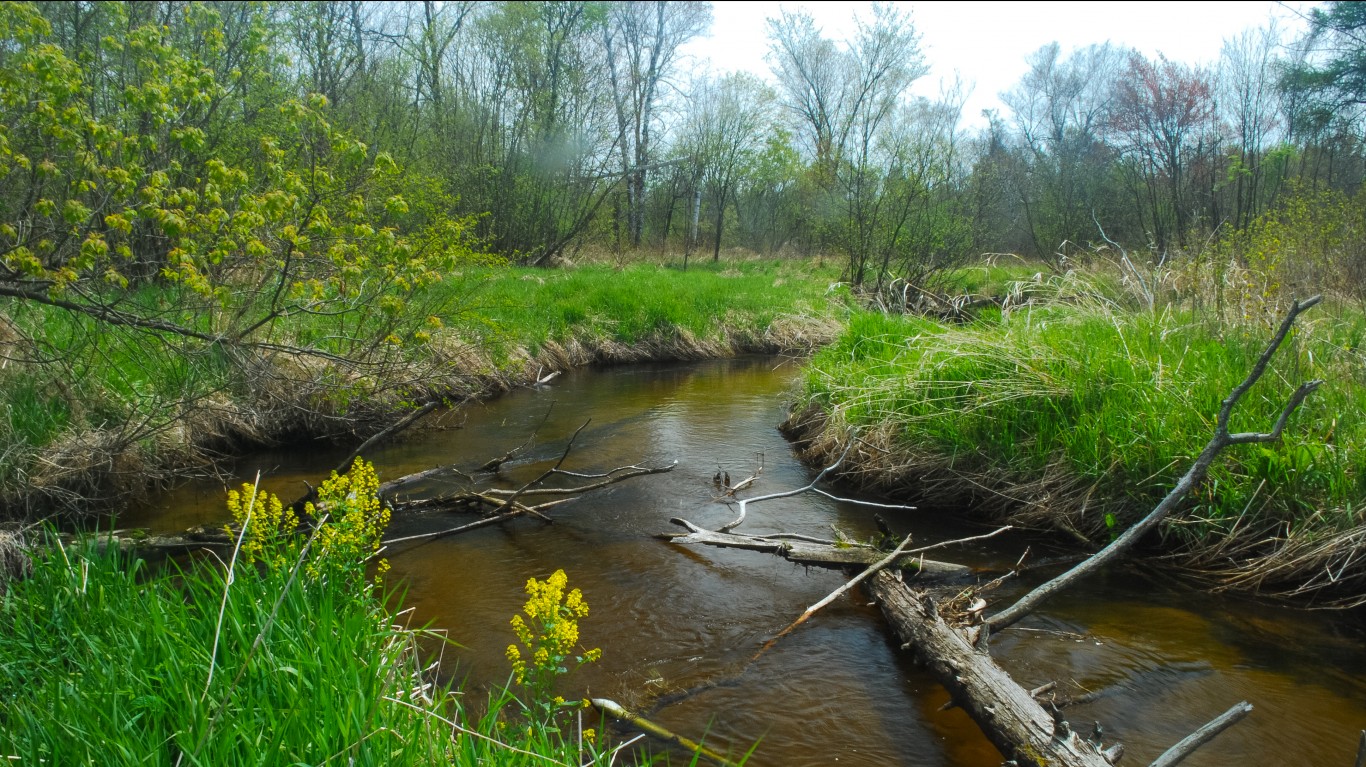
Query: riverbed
(1160, 656)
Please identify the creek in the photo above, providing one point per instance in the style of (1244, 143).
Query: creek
(1163, 657)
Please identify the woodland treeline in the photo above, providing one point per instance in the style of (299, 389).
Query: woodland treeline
(181, 141)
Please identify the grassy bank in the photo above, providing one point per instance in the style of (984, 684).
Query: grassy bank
(95, 413)
(286, 655)
(1072, 411)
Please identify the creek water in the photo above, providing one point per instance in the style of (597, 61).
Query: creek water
(1163, 658)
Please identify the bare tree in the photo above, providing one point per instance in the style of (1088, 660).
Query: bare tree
(1248, 67)
(1058, 109)
(641, 41)
(841, 98)
(726, 132)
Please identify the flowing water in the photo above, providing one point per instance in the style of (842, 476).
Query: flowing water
(1162, 658)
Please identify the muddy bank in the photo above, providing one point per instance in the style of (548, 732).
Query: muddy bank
(280, 400)
(1320, 571)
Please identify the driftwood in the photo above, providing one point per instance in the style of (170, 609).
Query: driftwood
(1176, 754)
(1011, 719)
(806, 551)
(506, 504)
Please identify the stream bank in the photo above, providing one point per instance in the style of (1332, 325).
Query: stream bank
(97, 417)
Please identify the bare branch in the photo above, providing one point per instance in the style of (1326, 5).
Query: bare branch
(836, 594)
(744, 502)
(1177, 753)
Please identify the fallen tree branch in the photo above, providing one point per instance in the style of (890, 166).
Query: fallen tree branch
(1178, 753)
(614, 710)
(1019, 727)
(497, 463)
(744, 502)
(876, 567)
(806, 553)
(1192, 478)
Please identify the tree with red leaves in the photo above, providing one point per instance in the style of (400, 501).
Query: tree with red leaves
(1160, 109)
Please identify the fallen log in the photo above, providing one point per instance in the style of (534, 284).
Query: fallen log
(1020, 728)
(1007, 713)
(806, 552)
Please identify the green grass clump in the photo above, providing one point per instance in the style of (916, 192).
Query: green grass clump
(286, 656)
(642, 303)
(1117, 401)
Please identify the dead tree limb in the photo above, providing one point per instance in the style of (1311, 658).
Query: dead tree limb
(391, 430)
(497, 463)
(616, 711)
(1178, 753)
(744, 502)
(398, 426)
(1192, 478)
(876, 567)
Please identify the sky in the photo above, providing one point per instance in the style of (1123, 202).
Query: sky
(986, 42)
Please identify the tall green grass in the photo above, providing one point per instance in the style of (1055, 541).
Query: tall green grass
(104, 661)
(1118, 401)
(83, 396)
(642, 302)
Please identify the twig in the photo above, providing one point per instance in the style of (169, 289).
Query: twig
(836, 594)
(744, 502)
(613, 709)
(497, 463)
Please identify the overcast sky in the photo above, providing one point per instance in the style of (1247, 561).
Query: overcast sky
(987, 42)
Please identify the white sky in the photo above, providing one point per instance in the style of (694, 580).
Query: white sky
(987, 42)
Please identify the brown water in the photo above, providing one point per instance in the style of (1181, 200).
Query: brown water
(1165, 658)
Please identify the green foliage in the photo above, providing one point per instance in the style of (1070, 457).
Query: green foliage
(1336, 82)
(1113, 402)
(99, 200)
(1313, 242)
(107, 661)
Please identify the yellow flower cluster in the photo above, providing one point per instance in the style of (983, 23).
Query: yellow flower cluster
(356, 520)
(353, 532)
(269, 526)
(550, 632)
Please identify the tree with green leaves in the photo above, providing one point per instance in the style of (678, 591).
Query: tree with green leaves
(160, 210)
(1330, 72)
